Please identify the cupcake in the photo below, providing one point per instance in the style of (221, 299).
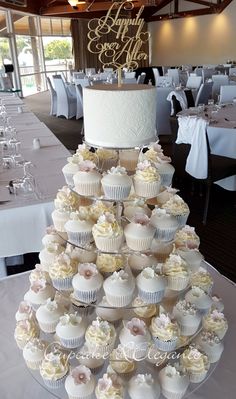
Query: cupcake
(78, 229)
(119, 289)
(187, 316)
(192, 256)
(165, 332)
(147, 180)
(155, 155)
(33, 353)
(129, 159)
(63, 300)
(202, 279)
(199, 298)
(107, 233)
(106, 312)
(116, 184)
(25, 330)
(100, 337)
(62, 271)
(70, 330)
(138, 262)
(143, 310)
(94, 361)
(177, 207)
(98, 208)
(217, 303)
(25, 311)
(48, 255)
(82, 255)
(38, 273)
(39, 293)
(106, 158)
(81, 308)
(120, 363)
(136, 206)
(210, 344)
(80, 383)
(143, 386)
(54, 369)
(196, 364)
(87, 180)
(215, 321)
(151, 286)
(165, 194)
(135, 338)
(84, 152)
(87, 282)
(187, 238)
(174, 381)
(108, 264)
(161, 250)
(70, 169)
(139, 233)
(67, 199)
(48, 316)
(52, 236)
(165, 224)
(110, 386)
(59, 218)
(176, 271)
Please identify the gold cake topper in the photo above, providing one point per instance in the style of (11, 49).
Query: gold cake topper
(125, 51)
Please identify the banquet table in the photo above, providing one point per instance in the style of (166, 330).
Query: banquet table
(24, 220)
(16, 381)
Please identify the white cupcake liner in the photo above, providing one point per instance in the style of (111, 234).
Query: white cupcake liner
(182, 219)
(69, 178)
(101, 350)
(33, 365)
(172, 395)
(135, 352)
(165, 234)
(72, 342)
(64, 284)
(117, 193)
(55, 384)
(83, 311)
(187, 331)
(166, 178)
(137, 244)
(90, 396)
(196, 378)
(106, 244)
(147, 189)
(87, 188)
(80, 238)
(48, 327)
(151, 297)
(119, 301)
(165, 346)
(86, 296)
(214, 357)
(177, 283)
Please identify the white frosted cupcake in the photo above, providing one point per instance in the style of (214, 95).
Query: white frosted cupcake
(174, 381)
(70, 330)
(165, 332)
(67, 199)
(138, 262)
(100, 337)
(217, 303)
(107, 233)
(146, 180)
(199, 298)
(176, 271)
(54, 369)
(129, 159)
(38, 273)
(108, 264)
(210, 344)
(155, 155)
(106, 312)
(120, 363)
(139, 233)
(59, 218)
(39, 293)
(215, 321)
(196, 364)
(202, 279)
(84, 152)
(33, 353)
(70, 169)
(143, 311)
(106, 158)
(87, 180)
(98, 208)
(135, 338)
(165, 224)
(48, 255)
(192, 256)
(94, 361)
(87, 282)
(151, 286)
(25, 330)
(52, 236)
(78, 229)
(161, 250)
(48, 316)
(177, 207)
(136, 206)
(80, 384)
(119, 289)
(187, 238)
(110, 386)
(87, 255)
(25, 311)
(116, 183)
(143, 386)
(188, 317)
(62, 271)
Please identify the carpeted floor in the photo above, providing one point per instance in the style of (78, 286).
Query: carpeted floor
(218, 237)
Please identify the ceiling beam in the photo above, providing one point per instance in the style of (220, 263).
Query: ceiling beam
(149, 11)
(224, 4)
(201, 2)
(183, 14)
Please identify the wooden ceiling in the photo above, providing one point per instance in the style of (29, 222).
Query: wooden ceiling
(155, 10)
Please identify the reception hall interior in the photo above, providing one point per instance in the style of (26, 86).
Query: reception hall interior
(117, 199)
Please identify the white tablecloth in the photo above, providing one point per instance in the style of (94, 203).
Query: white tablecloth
(17, 383)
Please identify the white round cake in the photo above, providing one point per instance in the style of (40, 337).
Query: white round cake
(119, 117)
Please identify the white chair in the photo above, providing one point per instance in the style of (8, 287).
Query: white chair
(108, 70)
(165, 69)
(66, 103)
(78, 75)
(129, 81)
(6, 83)
(164, 81)
(204, 93)
(187, 67)
(174, 73)
(156, 74)
(90, 71)
(207, 73)
(129, 75)
(83, 82)
(79, 98)
(218, 81)
(53, 96)
(141, 78)
(198, 71)
(194, 82)
(227, 94)
(232, 71)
